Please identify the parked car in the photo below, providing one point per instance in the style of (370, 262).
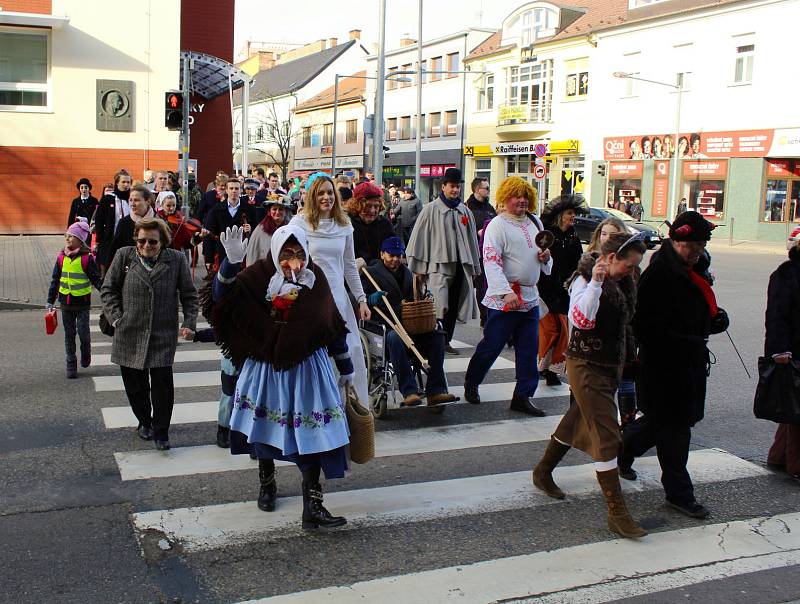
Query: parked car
(585, 225)
(792, 241)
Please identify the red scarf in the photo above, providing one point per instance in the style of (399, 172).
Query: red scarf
(706, 290)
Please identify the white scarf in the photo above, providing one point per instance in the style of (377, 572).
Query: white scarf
(279, 285)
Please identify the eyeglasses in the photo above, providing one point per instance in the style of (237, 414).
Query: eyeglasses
(144, 241)
(287, 255)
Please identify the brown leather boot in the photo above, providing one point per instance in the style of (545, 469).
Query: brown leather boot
(543, 472)
(619, 520)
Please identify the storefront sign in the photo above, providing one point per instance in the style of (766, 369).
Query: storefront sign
(478, 151)
(393, 171)
(523, 148)
(693, 145)
(567, 146)
(319, 163)
(512, 112)
(629, 169)
(705, 169)
(434, 171)
(660, 189)
(782, 168)
(786, 143)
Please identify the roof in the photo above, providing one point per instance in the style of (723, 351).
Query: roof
(489, 46)
(351, 89)
(433, 42)
(292, 76)
(212, 76)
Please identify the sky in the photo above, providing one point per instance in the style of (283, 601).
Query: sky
(304, 21)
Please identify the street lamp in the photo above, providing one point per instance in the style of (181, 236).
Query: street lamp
(336, 105)
(679, 88)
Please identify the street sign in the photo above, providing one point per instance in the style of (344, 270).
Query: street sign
(540, 150)
(539, 171)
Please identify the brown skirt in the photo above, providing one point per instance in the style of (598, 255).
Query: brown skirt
(553, 333)
(591, 424)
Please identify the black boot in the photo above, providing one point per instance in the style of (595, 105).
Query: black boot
(314, 513)
(223, 437)
(268, 492)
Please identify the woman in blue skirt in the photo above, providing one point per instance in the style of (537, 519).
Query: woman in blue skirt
(278, 320)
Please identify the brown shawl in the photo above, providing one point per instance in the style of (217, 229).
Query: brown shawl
(244, 327)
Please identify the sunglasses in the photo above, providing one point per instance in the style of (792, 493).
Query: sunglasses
(144, 241)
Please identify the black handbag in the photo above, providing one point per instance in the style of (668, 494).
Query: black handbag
(778, 392)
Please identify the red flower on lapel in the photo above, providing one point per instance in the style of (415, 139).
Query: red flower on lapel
(464, 220)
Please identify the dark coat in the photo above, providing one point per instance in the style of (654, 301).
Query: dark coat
(105, 228)
(482, 210)
(257, 207)
(396, 291)
(367, 238)
(123, 237)
(219, 219)
(209, 200)
(783, 308)
(145, 304)
(672, 325)
(566, 251)
(80, 207)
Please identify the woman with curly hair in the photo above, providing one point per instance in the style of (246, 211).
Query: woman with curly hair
(370, 229)
(513, 263)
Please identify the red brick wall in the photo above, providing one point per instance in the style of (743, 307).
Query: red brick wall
(40, 181)
(207, 26)
(28, 6)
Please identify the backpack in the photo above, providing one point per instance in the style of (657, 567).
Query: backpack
(84, 261)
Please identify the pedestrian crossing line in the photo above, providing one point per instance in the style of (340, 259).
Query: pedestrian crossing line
(107, 342)
(193, 413)
(96, 328)
(182, 356)
(209, 527)
(602, 571)
(205, 459)
(188, 379)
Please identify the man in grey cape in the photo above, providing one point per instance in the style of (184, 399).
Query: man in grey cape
(443, 249)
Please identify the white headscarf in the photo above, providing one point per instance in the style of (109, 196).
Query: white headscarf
(279, 285)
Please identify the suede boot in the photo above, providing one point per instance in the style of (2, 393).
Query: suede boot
(619, 520)
(543, 472)
(268, 491)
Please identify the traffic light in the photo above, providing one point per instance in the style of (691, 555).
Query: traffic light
(173, 110)
(601, 170)
(386, 151)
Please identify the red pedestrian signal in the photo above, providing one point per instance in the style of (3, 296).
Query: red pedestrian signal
(173, 110)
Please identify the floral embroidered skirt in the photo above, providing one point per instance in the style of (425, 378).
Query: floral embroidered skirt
(295, 415)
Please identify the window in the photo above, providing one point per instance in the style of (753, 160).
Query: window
(538, 23)
(781, 201)
(351, 133)
(684, 80)
(483, 169)
(406, 67)
(307, 137)
(327, 135)
(531, 86)
(436, 124)
(391, 82)
(452, 64)
(703, 186)
(421, 75)
(405, 128)
(260, 133)
(391, 129)
(421, 126)
(743, 72)
(631, 62)
(436, 65)
(577, 71)
(523, 166)
(486, 93)
(451, 121)
(23, 70)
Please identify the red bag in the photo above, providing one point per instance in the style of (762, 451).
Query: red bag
(50, 322)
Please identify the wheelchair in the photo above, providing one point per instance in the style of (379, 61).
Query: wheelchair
(381, 377)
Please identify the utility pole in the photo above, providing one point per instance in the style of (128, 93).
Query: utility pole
(377, 137)
(420, 79)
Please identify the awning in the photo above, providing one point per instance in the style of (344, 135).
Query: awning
(212, 76)
(32, 19)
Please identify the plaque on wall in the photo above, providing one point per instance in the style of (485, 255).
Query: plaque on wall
(115, 105)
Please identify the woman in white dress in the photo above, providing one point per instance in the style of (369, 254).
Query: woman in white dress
(330, 242)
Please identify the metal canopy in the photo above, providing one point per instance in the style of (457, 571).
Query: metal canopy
(212, 76)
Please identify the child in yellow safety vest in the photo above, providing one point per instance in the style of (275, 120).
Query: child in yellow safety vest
(74, 274)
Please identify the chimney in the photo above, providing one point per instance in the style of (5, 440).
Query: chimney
(406, 41)
(355, 34)
(266, 60)
(332, 42)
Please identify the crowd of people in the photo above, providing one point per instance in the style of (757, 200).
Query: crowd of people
(293, 270)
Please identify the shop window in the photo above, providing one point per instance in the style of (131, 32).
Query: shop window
(327, 135)
(451, 122)
(24, 70)
(436, 66)
(572, 176)
(307, 137)
(483, 169)
(577, 71)
(623, 191)
(405, 128)
(743, 70)
(351, 133)
(704, 186)
(391, 129)
(436, 124)
(782, 191)
(486, 93)
(452, 64)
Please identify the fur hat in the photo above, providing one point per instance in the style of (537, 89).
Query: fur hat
(559, 205)
(367, 190)
(83, 181)
(80, 230)
(346, 193)
(452, 175)
(691, 226)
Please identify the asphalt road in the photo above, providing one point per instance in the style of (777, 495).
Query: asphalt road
(66, 516)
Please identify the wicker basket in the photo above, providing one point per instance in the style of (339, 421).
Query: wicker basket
(419, 316)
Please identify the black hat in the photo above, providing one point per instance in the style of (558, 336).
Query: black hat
(83, 181)
(452, 175)
(691, 226)
(555, 207)
(346, 193)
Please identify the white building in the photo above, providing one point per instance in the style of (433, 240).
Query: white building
(443, 98)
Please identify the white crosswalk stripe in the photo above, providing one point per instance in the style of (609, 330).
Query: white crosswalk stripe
(96, 328)
(608, 570)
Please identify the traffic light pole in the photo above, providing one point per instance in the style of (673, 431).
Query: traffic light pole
(186, 88)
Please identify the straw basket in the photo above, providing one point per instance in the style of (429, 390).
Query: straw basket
(419, 316)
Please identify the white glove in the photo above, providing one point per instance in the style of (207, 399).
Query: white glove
(235, 247)
(360, 263)
(346, 380)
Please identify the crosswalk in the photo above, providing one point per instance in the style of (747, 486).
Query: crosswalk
(387, 494)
